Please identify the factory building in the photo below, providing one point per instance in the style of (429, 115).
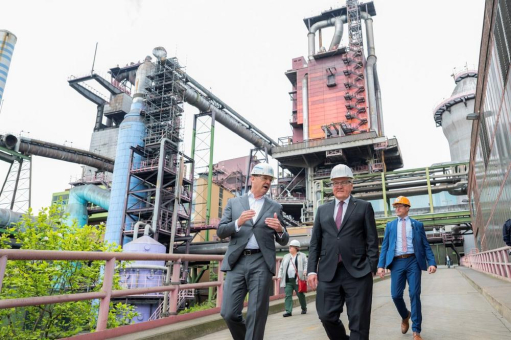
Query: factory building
(490, 145)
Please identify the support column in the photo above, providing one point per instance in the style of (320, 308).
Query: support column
(430, 195)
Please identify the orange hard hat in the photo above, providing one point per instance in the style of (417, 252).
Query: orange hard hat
(402, 200)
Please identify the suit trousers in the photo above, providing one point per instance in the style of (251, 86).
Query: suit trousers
(249, 274)
(357, 293)
(401, 271)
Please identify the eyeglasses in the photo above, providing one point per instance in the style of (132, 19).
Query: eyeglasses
(341, 184)
(400, 206)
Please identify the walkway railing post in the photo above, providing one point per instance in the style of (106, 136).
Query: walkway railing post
(276, 283)
(220, 289)
(506, 263)
(174, 294)
(3, 265)
(104, 306)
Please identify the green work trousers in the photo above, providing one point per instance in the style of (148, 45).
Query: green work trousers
(290, 287)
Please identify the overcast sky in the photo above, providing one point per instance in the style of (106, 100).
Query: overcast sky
(238, 49)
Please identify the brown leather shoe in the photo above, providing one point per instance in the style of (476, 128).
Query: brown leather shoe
(417, 336)
(405, 324)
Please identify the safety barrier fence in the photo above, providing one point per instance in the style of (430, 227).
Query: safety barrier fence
(107, 292)
(494, 262)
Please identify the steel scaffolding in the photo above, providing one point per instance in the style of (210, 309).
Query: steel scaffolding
(163, 194)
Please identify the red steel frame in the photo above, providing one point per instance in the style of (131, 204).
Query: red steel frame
(494, 262)
(107, 292)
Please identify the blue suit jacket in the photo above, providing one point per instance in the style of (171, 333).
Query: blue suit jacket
(421, 246)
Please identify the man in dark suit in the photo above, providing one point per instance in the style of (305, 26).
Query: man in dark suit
(343, 255)
(253, 224)
(404, 251)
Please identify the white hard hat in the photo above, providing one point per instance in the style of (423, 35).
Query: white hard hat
(294, 243)
(341, 170)
(263, 169)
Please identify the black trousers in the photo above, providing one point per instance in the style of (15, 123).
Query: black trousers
(357, 293)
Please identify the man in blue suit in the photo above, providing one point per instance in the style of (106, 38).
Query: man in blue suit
(405, 251)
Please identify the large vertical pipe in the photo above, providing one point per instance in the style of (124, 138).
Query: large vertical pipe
(305, 106)
(378, 103)
(370, 67)
(7, 42)
(131, 134)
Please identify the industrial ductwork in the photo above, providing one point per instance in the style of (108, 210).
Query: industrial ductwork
(9, 218)
(29, 146)
(194, 98)
(78, 199)
(370, 73)
(338, 22)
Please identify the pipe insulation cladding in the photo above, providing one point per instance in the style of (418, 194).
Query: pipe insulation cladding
(7, 42)
(79, 197)
(194, 98)
(35, 147)
(131, 134)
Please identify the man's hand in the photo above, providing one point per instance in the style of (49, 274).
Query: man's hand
(312, 280)
(431, 269)
(245, 216)
(381, 272)
(274, 223)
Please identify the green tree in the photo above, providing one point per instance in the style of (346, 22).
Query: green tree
(25, 279)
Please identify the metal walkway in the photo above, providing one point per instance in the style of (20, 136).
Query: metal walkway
(452, 309)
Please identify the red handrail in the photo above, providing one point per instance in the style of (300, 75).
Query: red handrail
(107, 292)
(494, 262)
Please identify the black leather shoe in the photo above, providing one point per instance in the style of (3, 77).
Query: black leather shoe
(287, 314)
(304, 311)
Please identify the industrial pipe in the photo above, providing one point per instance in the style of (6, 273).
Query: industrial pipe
(336, 40)
(378, 102)
(219, 248)
(305, 105)
(312, 33)
(194, 98)
(137, 226)
(370, 67)
(132, 132)
(9, 218)
(40, 148)
(410, 191)
(145, 266)
(228, 108)
(79, 197)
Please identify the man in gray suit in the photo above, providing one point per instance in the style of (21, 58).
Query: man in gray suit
(253, 224)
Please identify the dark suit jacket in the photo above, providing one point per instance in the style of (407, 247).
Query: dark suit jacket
(264, 235)
(421, 247)
(357, 241)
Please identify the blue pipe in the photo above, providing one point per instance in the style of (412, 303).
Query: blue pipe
(78, 199)
(131, 134)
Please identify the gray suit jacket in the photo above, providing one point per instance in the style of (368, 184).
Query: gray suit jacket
(264, 235)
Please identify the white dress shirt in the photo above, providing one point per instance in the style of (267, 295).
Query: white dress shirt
(256, 205)
(344, 207)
